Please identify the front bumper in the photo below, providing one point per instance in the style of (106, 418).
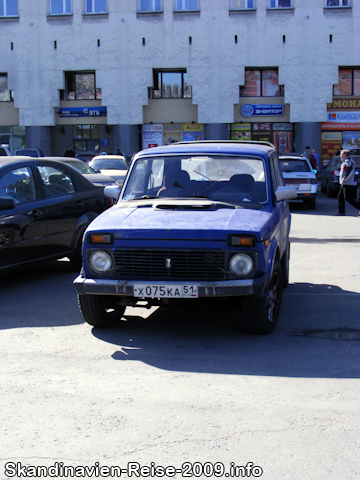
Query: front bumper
(256, 287)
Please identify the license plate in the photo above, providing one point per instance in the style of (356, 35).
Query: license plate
(166, 291)
(293, 185)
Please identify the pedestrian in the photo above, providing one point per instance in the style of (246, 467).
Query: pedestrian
(316, 158)
(118, 152)
(347, 183)
(312, 159)
(69, 152)
(307, 153)
(111, 151)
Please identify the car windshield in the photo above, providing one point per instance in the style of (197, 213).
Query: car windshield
(80, 166)
(290, 165)
(107, 164)
(230, 179)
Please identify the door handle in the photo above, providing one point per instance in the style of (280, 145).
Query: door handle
(35, 213)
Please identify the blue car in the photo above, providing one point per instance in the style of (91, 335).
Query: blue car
(204, 221)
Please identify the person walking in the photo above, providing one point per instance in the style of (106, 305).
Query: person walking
(312, 159)
(307, 153)
(69, 152)
(347, 183)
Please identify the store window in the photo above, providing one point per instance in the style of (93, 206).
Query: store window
(261, 83)
(170, 84)
(149, 5)
(280, 3)
(95, 6)
(349, 82)
(337, 3)
(184, 5)
(242, 4)
(86, 138)
(60, 7)
(6, 95)
(8, 8)
(13, 137)
(80, 86)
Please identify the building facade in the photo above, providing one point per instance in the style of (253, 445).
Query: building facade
(130, 74)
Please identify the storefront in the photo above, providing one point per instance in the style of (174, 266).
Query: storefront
(280, 134)
(342, 129)
(158, 134)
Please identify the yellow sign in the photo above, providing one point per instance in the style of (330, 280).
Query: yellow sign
(193, 127)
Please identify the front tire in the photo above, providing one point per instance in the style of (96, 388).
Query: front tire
(261, 314)
(100, 310)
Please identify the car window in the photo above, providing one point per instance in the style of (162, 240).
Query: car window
(19, 184)
(80, 166)
(56, 181)
(294, 165)
(230, 179)
(276, 175)
(108, 164)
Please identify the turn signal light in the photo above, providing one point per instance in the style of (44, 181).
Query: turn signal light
(100, 238)
(242, 241)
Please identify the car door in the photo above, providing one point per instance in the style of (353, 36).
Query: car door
(23, 224)
(66, 204)
(282, 207)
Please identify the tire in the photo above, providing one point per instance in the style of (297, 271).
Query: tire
(261, 314)
(100, 310)
(285, 266)
(330, 192)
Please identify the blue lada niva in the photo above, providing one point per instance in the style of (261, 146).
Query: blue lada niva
(197, 221)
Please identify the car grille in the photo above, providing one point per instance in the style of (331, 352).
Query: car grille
(170, 264)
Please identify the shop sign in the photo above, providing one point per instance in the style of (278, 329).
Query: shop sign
(345, 117)
(83, 112)
(344, 103)
(152, 139)
(193, 127)
(193, 136)
(283, 126)
(249, 110)
(173, 127)
(261, 127)
(340, 126)
(241, 127)
(330, 143)
(152, 127)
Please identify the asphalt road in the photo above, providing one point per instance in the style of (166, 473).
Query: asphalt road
(184, 387)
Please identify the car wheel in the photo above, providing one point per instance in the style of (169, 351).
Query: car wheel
(100, 310)
(261, 314)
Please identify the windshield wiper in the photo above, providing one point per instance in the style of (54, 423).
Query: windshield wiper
(144, 197)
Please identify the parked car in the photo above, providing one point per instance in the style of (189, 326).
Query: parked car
(298, 173)
(29, 152)
(355, 151)
(85, 156)
(330, 176)
(112, 165)
(45, 207)
(198, 221)
(4, 150)
(86, 171)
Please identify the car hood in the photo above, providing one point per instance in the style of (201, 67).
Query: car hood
(99, 178)
(183, 220)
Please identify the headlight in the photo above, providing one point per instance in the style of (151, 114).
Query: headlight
(100, 261)
(241, 264)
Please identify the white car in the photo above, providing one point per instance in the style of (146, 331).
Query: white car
(113, 166)
(298, 173)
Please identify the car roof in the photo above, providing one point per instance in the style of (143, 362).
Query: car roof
(9, 160)
(212, 147)
(109, 157)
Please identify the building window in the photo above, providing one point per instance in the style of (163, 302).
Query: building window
(280, 3)
(337, 3)
(60, 7)
(261, 83)
(242, 4)
(349, 82)
(170, 84)
(80, 86)
(86, 138)
(8, 8)
(184, 5)
(95, 6)
(6, 95)
(149, 5)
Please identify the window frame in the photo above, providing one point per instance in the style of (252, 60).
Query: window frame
(153, 8)
(353, 88)
(261, 81)
(4, 8)
(279, 7)
(338, 6)
(246, 7)
(64, 7)
(93, 8)
(159, 84)
(97, 91)
(183, 6)
(9, 93)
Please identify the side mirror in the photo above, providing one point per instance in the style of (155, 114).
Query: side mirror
(285, 193)
(7, 203)
(112, 191)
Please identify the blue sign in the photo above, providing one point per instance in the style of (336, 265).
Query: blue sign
(249, 110)
(83, 112)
